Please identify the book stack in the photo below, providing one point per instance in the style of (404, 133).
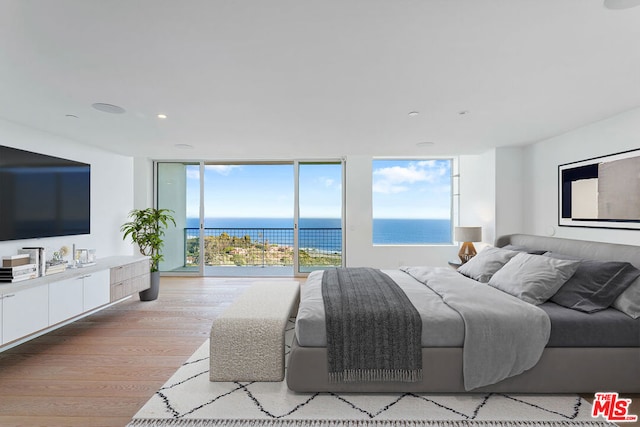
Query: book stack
(37, 257)
(15, 260)
(16, 268)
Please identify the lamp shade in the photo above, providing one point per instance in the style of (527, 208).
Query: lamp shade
(467, 234)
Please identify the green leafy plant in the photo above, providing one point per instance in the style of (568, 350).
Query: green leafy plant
(146, 229)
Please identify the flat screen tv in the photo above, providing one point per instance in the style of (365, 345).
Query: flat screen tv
(42, 196)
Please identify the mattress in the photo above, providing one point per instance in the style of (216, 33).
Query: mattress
(569, 328)
(606, 328)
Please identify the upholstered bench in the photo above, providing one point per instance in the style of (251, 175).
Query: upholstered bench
(247, 339)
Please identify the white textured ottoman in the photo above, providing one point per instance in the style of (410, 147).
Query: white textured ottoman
(247, 339)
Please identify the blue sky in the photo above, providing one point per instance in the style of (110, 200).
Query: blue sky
(401, 189)
(265, 191)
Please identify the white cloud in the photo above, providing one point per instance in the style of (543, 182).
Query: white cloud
(395, 179)
(221, 169)
(385, 187)
(193, 173)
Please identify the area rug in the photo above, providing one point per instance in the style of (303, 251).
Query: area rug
(189, 399)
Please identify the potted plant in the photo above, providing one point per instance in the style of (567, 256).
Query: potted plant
(146, 229)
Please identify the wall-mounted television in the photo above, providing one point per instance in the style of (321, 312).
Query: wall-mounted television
(42, 196)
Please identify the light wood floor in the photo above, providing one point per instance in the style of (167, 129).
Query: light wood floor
(100, 370)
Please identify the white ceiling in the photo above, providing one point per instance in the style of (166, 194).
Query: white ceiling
(252, 79)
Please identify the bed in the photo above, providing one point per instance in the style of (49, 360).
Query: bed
(583, 352)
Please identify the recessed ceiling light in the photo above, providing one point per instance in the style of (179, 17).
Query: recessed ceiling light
(162, 116)
(413, 113)
(183, 146)
(425, 143)
(108, 108)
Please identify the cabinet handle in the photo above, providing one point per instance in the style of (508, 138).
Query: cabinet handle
(8, 296)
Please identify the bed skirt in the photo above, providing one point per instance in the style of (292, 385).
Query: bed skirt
(559, 370)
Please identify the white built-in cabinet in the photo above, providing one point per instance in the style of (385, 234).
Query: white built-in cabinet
(24, 312)
(96, 290)
(71, 297)
(65, 300)
(40, 304)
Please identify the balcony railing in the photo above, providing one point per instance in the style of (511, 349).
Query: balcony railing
(266, 247)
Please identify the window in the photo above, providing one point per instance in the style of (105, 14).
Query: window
(413, 201)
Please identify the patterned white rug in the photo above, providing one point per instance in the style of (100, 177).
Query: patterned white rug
(190, 399)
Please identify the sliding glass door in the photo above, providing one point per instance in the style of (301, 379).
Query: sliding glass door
(178, 189)
(252, 219)
(248, 219)
(319, 213)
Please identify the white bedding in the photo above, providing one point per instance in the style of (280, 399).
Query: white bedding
(310, 324)
(501, 335)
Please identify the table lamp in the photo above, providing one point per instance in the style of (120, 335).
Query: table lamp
(467, 235)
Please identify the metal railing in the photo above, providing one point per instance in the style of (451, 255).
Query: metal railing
(264, 247)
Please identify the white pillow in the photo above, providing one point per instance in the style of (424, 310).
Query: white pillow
(484, 265)
(533, 278)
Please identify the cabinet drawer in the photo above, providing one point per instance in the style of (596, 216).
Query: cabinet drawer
(140, 283)
(120, 273)
(119, 290)
(141, 268)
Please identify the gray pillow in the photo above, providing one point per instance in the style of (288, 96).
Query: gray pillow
(524, 249)
(558, 255)
(533, 278)
(482, 266)
(629, 301)
(595, 285)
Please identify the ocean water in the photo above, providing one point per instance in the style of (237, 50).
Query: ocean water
(385, 231)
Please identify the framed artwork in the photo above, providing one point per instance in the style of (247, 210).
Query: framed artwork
(602, 192)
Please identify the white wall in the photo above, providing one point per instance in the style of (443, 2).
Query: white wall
(616, 134)
(478, 194)
(111, 190)
(509, 190)
(142, 183)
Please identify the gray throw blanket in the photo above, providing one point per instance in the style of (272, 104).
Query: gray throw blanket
(373, 330)
(504, 336)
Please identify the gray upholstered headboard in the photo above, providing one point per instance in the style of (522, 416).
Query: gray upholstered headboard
(580, 248)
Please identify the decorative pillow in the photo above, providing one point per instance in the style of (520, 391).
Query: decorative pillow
(629, 301)
(596, 285)
(558, 255)
(533, 278)
(524, 249)
(482, 266)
